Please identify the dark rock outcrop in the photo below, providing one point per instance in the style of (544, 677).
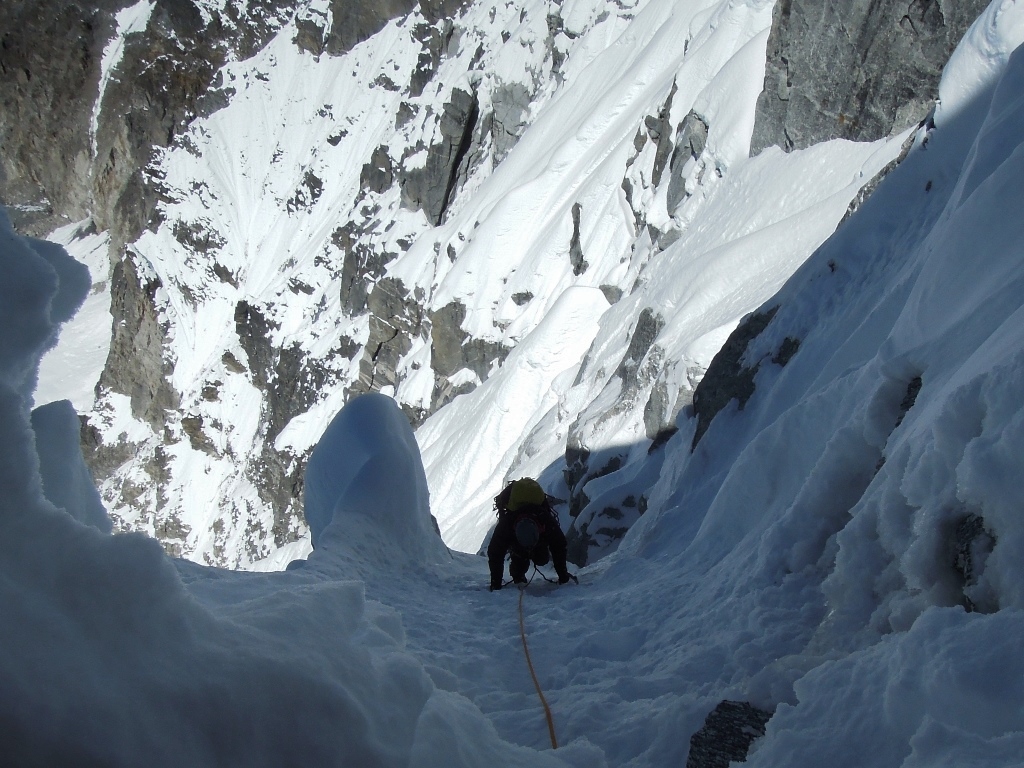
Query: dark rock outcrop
(859, 70)
(432, 187)
(435, 39)
(296, 385)
(290, 379)
(135, 363)
(659, 128)
(972, 543)
(691, 138)
(355, 22)
(510, 103)
(648, 326)
(291, 382)
(162, 77)
(396, 318)
(579, 263)
(379, 174)
(362, 265)
(279, 479)
(253, 330)
(306, 194)
(352, 23)
(200, 238)
(600, 527)
(452, 350)
(49, 71)
(726, 735)
(50, 55)
(168, 78)
(583, 537)
(664, 405)
(102, 459)
(192, 426)
(727, 378)
(309, 33)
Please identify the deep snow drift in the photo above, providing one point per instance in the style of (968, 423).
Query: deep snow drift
(847, 550)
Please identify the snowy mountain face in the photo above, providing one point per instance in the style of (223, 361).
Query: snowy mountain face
(828, 568)
(533, 225)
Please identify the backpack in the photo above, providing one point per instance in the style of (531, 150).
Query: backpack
(527, 504)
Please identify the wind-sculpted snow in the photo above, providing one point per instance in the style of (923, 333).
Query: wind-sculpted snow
(365, 488)
(881, 464)
(66, 480)
(107, 659)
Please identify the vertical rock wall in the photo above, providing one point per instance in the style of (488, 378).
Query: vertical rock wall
(857, 70)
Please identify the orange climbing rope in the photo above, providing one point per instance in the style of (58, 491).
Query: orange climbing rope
(533, 674)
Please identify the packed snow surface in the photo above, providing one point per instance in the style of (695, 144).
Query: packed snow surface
(811, 556)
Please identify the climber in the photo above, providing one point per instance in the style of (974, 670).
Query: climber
(528, 528)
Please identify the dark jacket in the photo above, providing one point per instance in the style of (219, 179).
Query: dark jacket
(550, 546)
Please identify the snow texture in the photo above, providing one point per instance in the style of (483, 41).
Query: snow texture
(71, 369)
(107, 657)
(846, 551)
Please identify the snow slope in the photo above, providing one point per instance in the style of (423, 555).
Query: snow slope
(750, 223)
(72, 368)
(845, 551)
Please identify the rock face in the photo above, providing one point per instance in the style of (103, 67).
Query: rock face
(50, 62)
(691, 138)
(362, 265)
(510, 103)
(49, 70)
(728, 377)
(430, 188)
(135, 364)
(352, 23)
(454, 350)
(726, 735)
(355, 22)
(396, 318)
(859, 70)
